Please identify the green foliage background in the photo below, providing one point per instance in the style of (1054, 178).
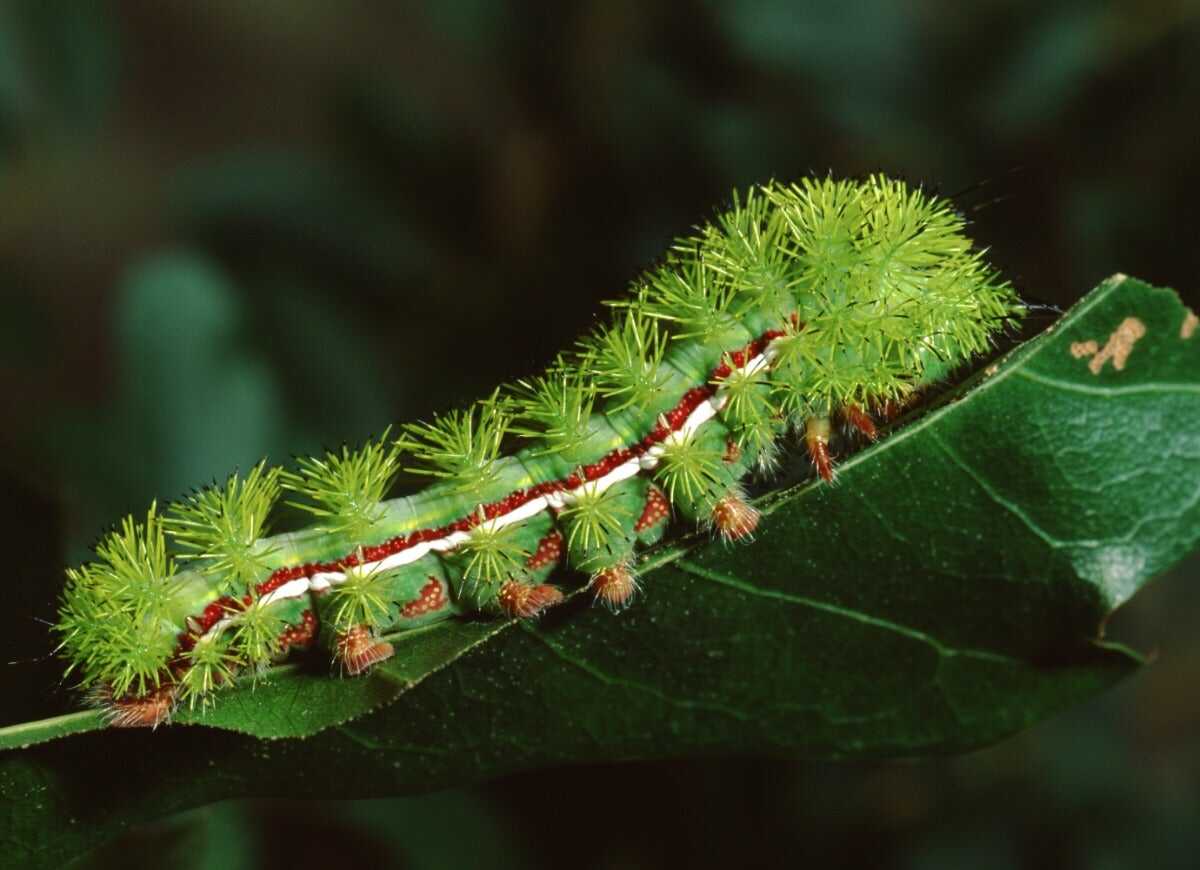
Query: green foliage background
(368, 215)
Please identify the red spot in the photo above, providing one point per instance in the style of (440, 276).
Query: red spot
(657, 510)
(697, 396)
(215, 612)
(283, 575)
(549, 551)
(301, 635)
(431, 598)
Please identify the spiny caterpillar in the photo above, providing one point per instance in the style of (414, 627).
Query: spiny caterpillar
(800, 306)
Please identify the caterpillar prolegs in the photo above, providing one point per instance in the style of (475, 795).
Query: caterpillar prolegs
(799, 308)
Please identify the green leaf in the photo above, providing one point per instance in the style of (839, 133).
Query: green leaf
(949, 590)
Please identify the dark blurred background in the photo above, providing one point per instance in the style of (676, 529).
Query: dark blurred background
(233, 229)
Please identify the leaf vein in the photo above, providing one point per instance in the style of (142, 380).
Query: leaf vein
(608, 679)
(995, 496)
(1108, 391)
(944, 650)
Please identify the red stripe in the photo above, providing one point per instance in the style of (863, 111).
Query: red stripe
(675, 418)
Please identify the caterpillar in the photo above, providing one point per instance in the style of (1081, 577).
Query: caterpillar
(800, 309)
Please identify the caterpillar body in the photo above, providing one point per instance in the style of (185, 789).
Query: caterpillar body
(798, 307)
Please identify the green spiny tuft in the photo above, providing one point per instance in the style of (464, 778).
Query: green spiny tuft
(689, 469)
(809, 377)
(625, 360)
(747, 397)
(346, 487)
(210, 663)
(886, 281)
(256, 633)
(826, 219)
(362, 598)
(115, 615)
(759, 442)
(221, 527)
(749, 247)
(555, 407)
(594, 518)
(136, 556)
(493, 553)
(460, 446)
(692, 298)
(751, 416)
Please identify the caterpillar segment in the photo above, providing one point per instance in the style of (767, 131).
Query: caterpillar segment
(799, 306)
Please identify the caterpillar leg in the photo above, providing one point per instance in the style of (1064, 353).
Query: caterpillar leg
(357, 650)
(525, 600)
(888, 410)
(601, 531)
(614, 587)
(816, 438)
(733, 518)
(860, 420)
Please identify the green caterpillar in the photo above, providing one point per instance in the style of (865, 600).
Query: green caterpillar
(799, 306)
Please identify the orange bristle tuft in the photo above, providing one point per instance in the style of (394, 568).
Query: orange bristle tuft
(734, 518)
(145, 711)
(615, 587)
(358, 650)
(524, 601)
